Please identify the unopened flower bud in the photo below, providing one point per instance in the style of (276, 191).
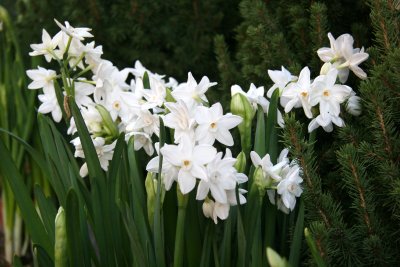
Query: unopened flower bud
(353, 105)
(151, 189)
(208, 208)
(241, 106)
(240, 163)
(325, 68)
(60, 245)
(260, 181)
(111, 128)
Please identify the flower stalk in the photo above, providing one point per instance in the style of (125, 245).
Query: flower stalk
(180, 228)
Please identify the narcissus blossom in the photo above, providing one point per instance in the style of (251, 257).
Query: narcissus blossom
(289, 187)
(78, 33)
(192, 93)
(214, 125)
(190, 159)
(41, 78)
(104, 152)
(280, 78)
(297, 94)
(47, 47)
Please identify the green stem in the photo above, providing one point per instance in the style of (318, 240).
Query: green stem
(67, 48)
(78, 61)
(180, 229)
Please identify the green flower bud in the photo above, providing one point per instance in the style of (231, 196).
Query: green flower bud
(61, 245)
(260, 181)
(275, 260)
(110, 127)
(241, 106)
(151, 191)
(240, 164)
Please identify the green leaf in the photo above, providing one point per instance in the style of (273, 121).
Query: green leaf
(42, 256)
(207, 243)
(260, 140)
(47, 211)
(137, 249)
(36, 156)
(295, 248)
(313, 248)
(117, 158)
(271, 127)
(138, 202)
(33, 223)
(75, 234)
(17, 261)
(226, 245)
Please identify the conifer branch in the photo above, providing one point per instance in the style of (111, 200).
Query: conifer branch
(361, 193)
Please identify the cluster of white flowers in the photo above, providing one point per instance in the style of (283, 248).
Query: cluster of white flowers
(284, 176)
(324, 90)
(110, 105)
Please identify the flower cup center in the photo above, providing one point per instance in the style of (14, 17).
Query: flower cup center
(326, 92)
(116, 105)
(292, 188)
(304, 94)
(187, 164)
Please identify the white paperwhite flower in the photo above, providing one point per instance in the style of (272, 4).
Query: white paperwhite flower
(41, 78)
(91, 117)
(343, 56)
(329, 95)
(180, 120)
(106, 71)
(191, 92)
(82, 94)
(117, 101)
(141, 140)
(139, 71)
(169, 171)
(104, 152)
(343, 43)
(280, 78)
(221, 177)
(148, 122)
(269, 169)
(75, 50)
(155, 96)
(93, 54)
(289, 187)
(50, 104)
(215, 210)
(353, 58)
(298, 94)
(47, 46)
(78, 33)
(213, 124)
(326, 121)
(190, 160)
